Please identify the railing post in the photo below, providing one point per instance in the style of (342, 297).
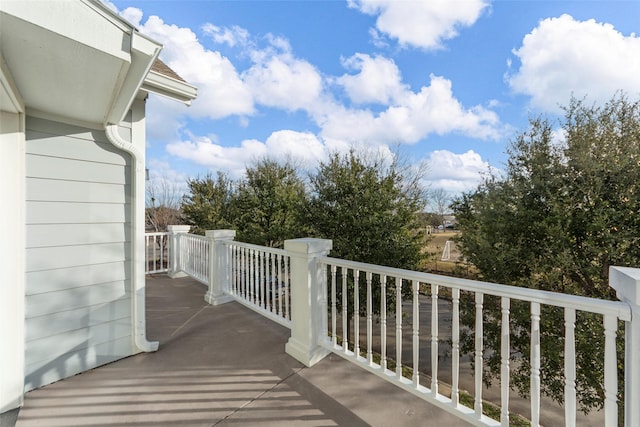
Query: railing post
(626, 282)
(219, 264)
(174, 264)
(306, 299)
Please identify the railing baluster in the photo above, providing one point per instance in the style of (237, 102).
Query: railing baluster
(232, 273)
(505, 346)
(243, 273)
(265, 279)
(535, 364)
(287, 267)
(356, 313)
(254, 278)
(610, 372)
(569, 367)
(455, 345)
(280, 282)
(154, 253)
(262, 279)
(334, 338)
(369, 319)
(163, 252)
(478, 356)
(383, 322)
(325, 303)
(275, 284)
(345, 331)
(236, 261)
(416, 334)
(398, 327)
(434, 339)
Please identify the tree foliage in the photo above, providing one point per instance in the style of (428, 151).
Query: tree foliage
(563, 213)
(269, 204)
(208, 205)
(369, 209)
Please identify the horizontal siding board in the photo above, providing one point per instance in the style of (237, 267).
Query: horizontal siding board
(42, 128)
(39, 282)
(75, 361)
(74, 191)
(72, 256)
(73, 212)
(68, 299)
(51, 235)
(69, 320)
(56, 345)
(78, 305)
(75, 170)
(72, 148)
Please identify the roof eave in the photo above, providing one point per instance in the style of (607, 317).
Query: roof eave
(163, 85)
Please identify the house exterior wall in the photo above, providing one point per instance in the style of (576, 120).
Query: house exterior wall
(78, 305)
(11, 259)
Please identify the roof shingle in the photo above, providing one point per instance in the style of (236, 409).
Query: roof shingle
(162, 68)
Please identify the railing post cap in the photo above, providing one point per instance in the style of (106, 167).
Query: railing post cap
(220, 234)
(626, 282)
(178, 228)
(308, 245)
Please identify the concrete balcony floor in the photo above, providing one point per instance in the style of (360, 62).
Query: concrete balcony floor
(222, 365)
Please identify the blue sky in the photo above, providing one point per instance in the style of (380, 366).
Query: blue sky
(448, 83)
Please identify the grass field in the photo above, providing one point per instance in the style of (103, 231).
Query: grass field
(434, 248)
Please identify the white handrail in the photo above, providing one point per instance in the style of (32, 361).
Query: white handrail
(344, 271)
(593, 305)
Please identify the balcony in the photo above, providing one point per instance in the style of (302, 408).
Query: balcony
(281, 338)
(222, 365)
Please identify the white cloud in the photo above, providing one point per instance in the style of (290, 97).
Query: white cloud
(231, 36)
(378, 79)
(455, 173)
(221, 92)
(562, 56)
(413, 117)
(283, 81)
(302, 147)
(277, 78)
(163, 176)
(133, 15)
(423, 24)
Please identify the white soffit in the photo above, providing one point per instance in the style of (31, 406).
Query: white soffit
(73, 60)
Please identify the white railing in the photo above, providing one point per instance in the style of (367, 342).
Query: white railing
(157, 252)
(193, 256)
(259, 279)
(349, 283)
(328, 305)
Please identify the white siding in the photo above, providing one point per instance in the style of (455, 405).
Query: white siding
(12, 244)
(78, 234)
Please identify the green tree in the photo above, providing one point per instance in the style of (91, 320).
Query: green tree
(208, 205)
(269, 204)
(558, 218)
(369, 209)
